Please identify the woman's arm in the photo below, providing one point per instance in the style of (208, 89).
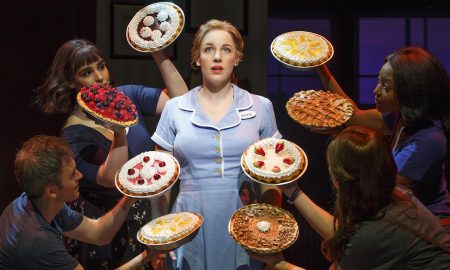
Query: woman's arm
(172, 79)
(118, 155)
(318, 218)
(369, 118)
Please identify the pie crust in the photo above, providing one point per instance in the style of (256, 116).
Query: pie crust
(108, 104)
(319, 109)
(263, 228)
(274, 161)
(155, 26)
(170, 231)
(148, 174)
(301, 49)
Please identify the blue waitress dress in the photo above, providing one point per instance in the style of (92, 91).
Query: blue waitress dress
(209, 156)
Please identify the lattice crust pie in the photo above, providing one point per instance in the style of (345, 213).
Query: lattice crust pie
(170, 228)
(147, 174)
(108, 104)
(302, 49)
(319, 109)
(263, 228)
(155, 26)
(274, 161)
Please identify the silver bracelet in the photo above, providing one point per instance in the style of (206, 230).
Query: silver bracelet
(294, 195)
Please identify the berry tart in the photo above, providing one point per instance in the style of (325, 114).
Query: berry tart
(274, 161)
(263, 228)
(319, 109)
(148, 174)
(170, 231)
(155, 26)
(300, 49)
(108, 104)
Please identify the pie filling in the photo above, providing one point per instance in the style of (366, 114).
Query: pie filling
(300, 48)
(108, 104)
(263, 228)
(170, 227)
(320, 109)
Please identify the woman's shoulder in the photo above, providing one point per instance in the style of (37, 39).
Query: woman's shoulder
(255, 98)
(432, 138)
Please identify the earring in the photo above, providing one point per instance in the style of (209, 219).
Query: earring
(236, 64)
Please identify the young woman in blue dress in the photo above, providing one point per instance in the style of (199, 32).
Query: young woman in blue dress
(99, 152)
(207, 130)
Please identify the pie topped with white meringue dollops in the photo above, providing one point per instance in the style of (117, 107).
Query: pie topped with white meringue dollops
(319, 109)
(148, 174)
(274, 161)
(300, 49)
(155, 26)
(108, 104)
(170, 231)
(263, 228)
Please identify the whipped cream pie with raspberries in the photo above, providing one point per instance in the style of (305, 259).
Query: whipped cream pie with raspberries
(147, 174)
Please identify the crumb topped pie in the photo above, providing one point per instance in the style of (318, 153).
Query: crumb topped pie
(263, 228)
(108, 104)
(170, 231)
(300, 49)
(319, 109)
(274, 161)
(148, 174)
(155, 27)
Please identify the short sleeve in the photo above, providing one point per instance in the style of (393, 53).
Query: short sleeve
(418, 154)
(48, 255)
(269, 127)
(68, 219)
(165, 132)
(145, 98)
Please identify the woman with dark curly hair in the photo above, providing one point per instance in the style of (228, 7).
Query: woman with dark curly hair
(375, 224)
(99, 152)
(412, 106)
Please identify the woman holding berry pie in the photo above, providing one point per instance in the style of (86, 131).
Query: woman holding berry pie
(207, 130)
(412, 106)
(99, 152)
